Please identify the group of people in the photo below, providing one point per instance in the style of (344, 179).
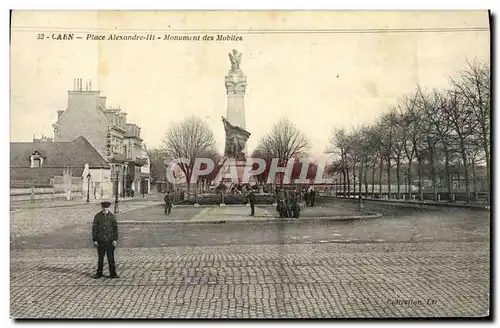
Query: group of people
(288, 204)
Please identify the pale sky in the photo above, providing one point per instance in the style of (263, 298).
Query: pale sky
(321, 76)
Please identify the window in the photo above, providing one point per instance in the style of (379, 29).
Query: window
(37, 162)
(36, 159)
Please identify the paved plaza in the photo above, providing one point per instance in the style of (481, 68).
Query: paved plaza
(405, 264)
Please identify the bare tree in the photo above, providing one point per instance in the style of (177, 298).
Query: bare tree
(428, 107)
(340, 146)
(389, 122)
(442, 127)
(284, 141)
(191, 138)
(415, 138)
(372, 155)
(460, 115)
(473, 85)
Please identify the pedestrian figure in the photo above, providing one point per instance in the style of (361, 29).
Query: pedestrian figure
(105, 237)
(251, 200)
(312, 196)
(280, 195)
(306, 197)
(168, 203)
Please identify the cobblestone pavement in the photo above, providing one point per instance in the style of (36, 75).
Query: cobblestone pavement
(409, 263)
(36, 221)
(280, 281)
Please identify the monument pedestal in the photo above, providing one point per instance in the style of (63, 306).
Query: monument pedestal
(228, 179)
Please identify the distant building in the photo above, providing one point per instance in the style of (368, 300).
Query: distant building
(106, 129)
(42, 139)
(40, 163)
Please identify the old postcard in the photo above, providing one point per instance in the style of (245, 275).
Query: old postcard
(250, 164)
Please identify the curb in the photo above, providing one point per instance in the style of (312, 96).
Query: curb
(369, 215)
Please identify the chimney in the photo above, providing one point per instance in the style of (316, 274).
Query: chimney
(81, 87)
(102, 102)
(59, 113)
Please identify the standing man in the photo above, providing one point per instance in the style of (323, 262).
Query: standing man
(105, 237)
(168, 203)
(313, 196)
(251, 200)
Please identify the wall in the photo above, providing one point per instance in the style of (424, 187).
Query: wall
(100, 184)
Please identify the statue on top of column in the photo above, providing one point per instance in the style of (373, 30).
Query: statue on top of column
(235, 59)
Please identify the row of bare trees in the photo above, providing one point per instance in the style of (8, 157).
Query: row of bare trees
(437, 135)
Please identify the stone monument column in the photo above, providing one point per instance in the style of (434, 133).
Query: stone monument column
(236, 83)
(235, 125)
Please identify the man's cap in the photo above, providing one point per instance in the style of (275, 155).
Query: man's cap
(105, 204)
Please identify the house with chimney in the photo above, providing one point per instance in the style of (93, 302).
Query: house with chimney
(44, 169)
(107, 129)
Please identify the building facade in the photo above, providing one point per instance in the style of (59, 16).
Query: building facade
(106, 128)
(43, 163)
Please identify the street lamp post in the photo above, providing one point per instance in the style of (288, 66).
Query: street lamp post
(116, 190)
(143, 187)
(88, 187)
(123, 181)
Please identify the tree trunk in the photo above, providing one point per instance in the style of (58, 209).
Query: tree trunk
(196, 186)
(420, 189)
(360, 177)
(398, 176)
(366, 179)
(473, 162)
(466, 170)
(447, 171)
(433, 174)
(373, 178)
(409, 178)
(344, 191)
(354, 180)
(348, 183)
(388, 178)
(380, 177)
(486, 150)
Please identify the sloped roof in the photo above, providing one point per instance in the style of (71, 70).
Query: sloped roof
(74, 154)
